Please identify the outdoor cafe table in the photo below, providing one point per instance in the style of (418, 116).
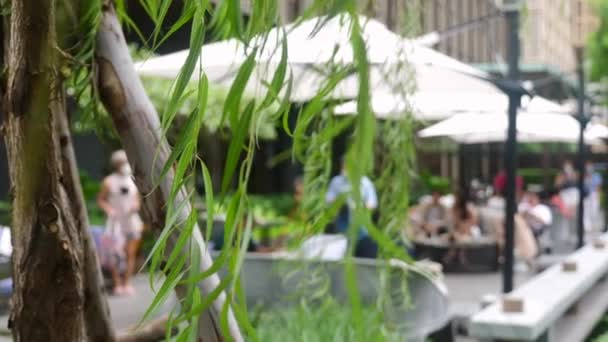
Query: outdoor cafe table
(481, 253)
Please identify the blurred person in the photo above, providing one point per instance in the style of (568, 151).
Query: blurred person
(298, 196)
(500, 184)
(464, 217)
(567, 177)
(339, 185)
(435, 216)
(537, 215)
(464, 226)
(526, 246)
(558, 202)
(593, 185)
(120, 201)
(112, 256)
(496, 203)
(566, 185)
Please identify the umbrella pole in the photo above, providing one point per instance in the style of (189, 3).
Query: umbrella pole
(462, 168)
(512, 17)
(582, 118)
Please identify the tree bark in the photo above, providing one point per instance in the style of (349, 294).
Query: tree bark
(97, 313)
(48, 299)
(138, 126)
(153, 331)
(96, 310)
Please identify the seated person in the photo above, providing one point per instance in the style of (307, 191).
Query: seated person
(434, 216)
(365, 246)
(464, 226)
(536, 214)
(526, 246)
(298, 197)
(464, 218)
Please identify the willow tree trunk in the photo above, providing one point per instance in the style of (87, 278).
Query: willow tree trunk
(48, 262)
(138, 126)
(97, 313)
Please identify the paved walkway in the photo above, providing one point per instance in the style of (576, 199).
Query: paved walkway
(467, 290)
(126, 311)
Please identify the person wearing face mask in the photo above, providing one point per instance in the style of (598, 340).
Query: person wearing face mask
(120, 200)
(365, 246)
(593, 187)
(567, 178)
(565, 183)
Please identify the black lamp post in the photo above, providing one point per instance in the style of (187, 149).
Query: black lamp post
(583, 119)
(511, 10)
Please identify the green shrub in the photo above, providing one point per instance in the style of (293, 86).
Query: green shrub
(5, 213)
(537, 175)
(90, 189)
(320, 322)
(600, 331)
(427, 183)
(274, 207)
(90, 186)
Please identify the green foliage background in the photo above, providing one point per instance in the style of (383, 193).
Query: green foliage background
(249, 119)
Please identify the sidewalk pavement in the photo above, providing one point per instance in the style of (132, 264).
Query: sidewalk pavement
(126, 311)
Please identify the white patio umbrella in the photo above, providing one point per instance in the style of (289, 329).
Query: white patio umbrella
(312, 47)
(440, 105)
(445, 87)
(471, 128)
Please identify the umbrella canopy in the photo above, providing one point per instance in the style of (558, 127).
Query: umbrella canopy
(436, 106)
(397, 65)
(474, 128)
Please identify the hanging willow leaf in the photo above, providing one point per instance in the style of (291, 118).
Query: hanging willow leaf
(206, 302)
(196, 42)
(210, 213)
(236, 144)
(158, 250)
(184, 237)
(185, 147)
(233, 100)
(163, 293)
(279, 76)
(313, 137)
(187, 16)
(227, 21)
(264, 14)
(159, 18)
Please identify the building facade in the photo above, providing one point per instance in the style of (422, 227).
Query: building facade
(476, 30)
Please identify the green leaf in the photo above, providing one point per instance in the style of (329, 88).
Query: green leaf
(279, 76)
(184, 236)
(241, 315)
(227, 20)
(186, 143)
(157, 252)
(207, 301)
(236, 145)
(196, 42)
(196, 302)
(159, 18)
(163, 293)
(218, 263)
(208, 199)
(186, 17)
(233, 217)
(233, 100)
